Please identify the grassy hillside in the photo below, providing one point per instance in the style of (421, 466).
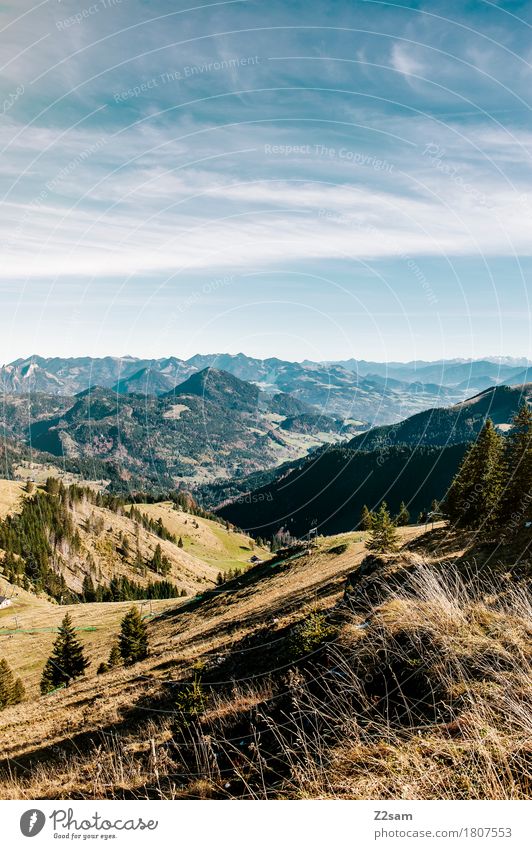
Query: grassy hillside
(11, 495)
(205, 539)
(87, 535)
(324, 674)
(28, 629)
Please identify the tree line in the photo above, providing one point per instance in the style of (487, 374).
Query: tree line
(493, 486)
(491, 491)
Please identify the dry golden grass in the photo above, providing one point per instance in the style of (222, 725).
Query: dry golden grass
(208, 547)
(29, 626)
(431, 698)
(204, 629)
(11, 495)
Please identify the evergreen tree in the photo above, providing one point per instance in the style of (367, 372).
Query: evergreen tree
(383, 535)
(138, 565)
(67, 660)
(403, 517)
(516, 501)
(180, 543)
(115, 658)
(19, 692)
(11, 690)
(157, 560)
(365, 519)
(133, 639)
(88, 590)
(474, 494)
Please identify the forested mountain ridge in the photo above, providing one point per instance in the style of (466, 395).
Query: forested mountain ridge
(210, 426)
(413, 461)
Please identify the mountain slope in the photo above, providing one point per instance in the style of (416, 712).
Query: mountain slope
(413, 461)
(402, 676)
(449, 425)
(329, 491)
(58, 539)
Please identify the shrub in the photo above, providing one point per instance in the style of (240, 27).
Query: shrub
(310, 634)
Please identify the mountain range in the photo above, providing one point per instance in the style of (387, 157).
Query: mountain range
(356, 390)
(157, 424)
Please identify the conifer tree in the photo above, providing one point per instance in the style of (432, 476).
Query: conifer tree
(365, 519)
(115, 658)
(139, 562)
(67, 660)
(403, 517)
(156, 562)
(516, 501)
(474, 494)
(88, 589)
(383, 535)
(11, 691)
(133, 639)
(19, 692)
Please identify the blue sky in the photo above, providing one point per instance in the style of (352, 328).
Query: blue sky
(304, 180)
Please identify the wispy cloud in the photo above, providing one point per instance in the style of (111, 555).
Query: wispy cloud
(327, 148)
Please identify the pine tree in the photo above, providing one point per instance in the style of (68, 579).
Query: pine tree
(365, 519)
(180, 543)
(115, 658)
(88, 590)
(473, 497)
(403, 517)
(67, 660)
(19, 692)
(139, 562)
(383, 535)
(7, 684)
(516, 501)
(133, 639)
(156, 562)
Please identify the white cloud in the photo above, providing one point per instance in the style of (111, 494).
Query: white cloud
(404, 61)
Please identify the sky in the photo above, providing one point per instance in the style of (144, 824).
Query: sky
(318, 180)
